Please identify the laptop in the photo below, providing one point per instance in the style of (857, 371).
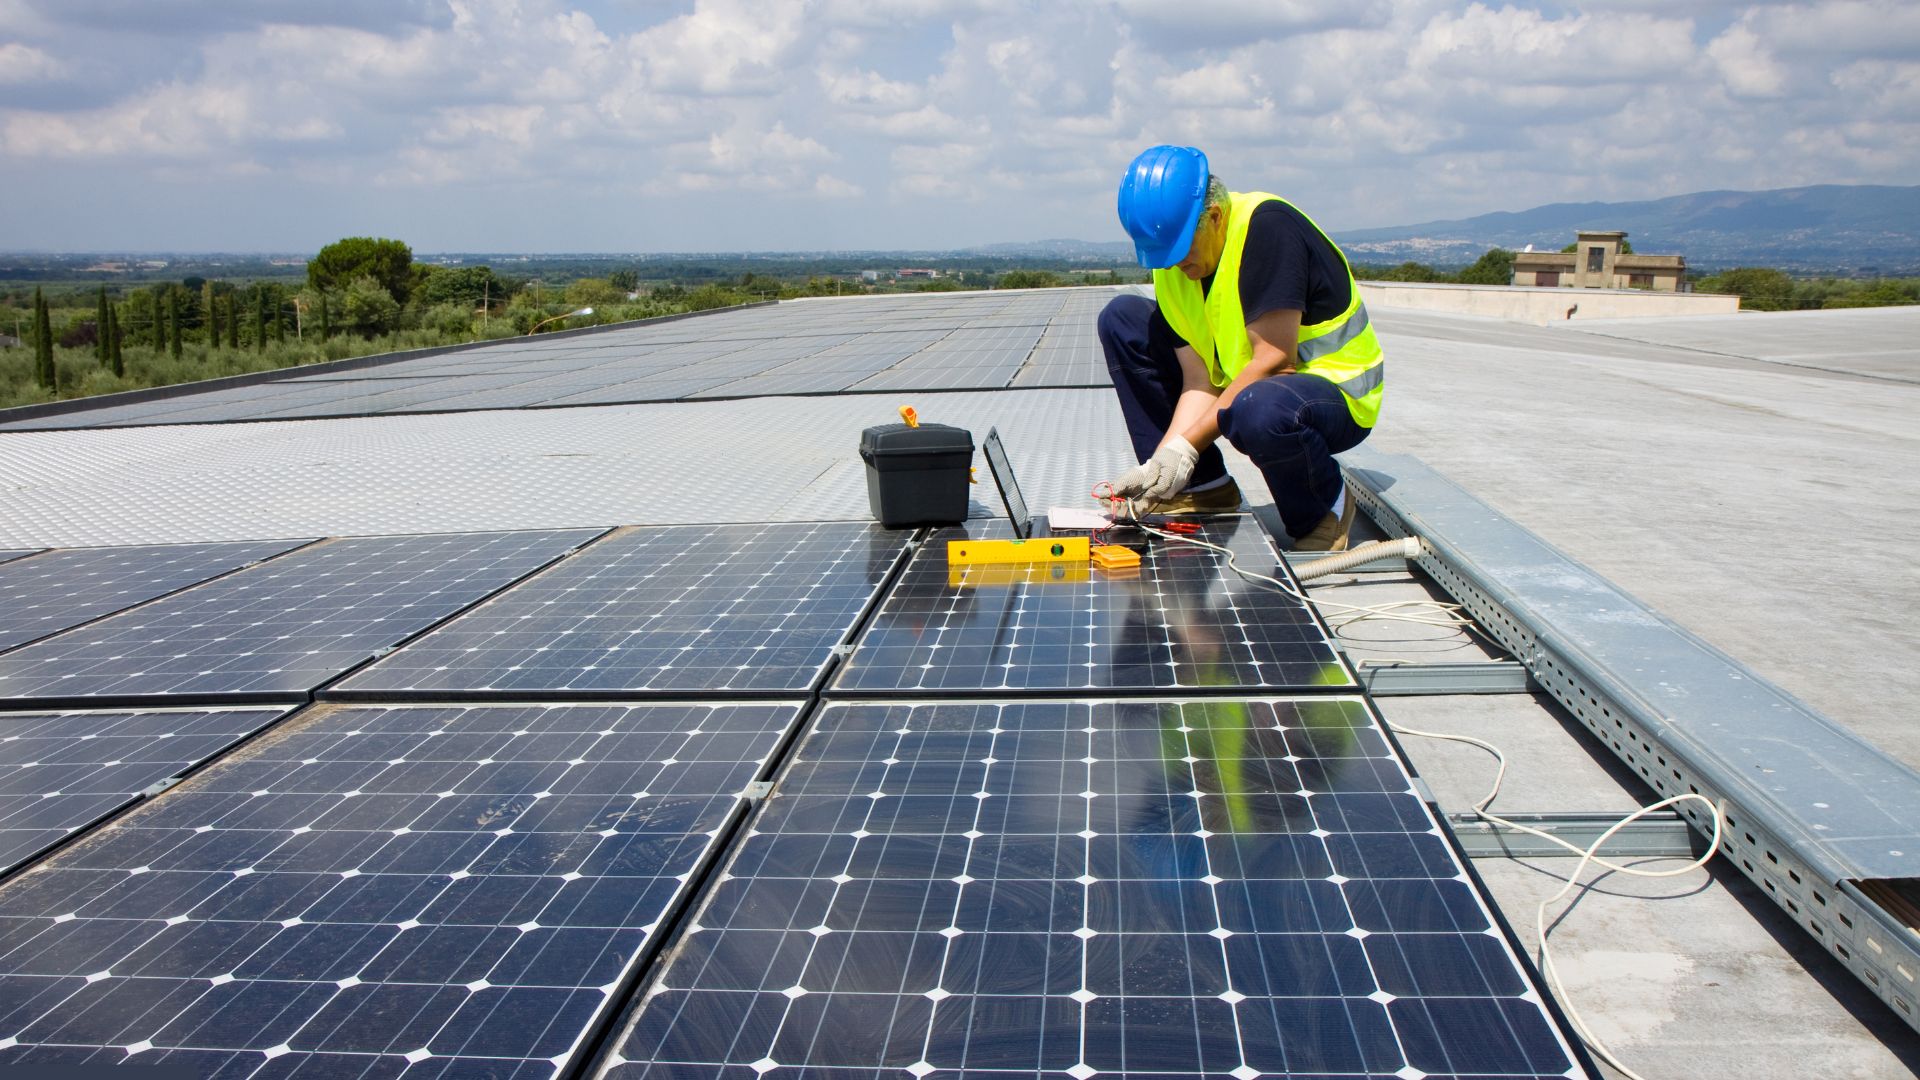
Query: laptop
(1010, 497)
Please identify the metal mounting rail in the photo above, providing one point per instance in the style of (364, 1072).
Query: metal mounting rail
(1663, 834)
(1477, 677)
(1826, 824)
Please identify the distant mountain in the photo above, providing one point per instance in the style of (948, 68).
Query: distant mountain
(1831, 227)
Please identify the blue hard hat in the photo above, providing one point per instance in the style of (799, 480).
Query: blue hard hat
(1160, 202)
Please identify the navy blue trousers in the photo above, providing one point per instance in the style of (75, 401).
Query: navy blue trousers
(1290, 425)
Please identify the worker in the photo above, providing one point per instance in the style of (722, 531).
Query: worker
(1256, 333)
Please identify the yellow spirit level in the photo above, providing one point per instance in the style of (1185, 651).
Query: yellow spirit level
(989, 575)
(1045, 549)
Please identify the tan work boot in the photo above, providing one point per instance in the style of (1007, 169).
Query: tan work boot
(1331, 533)
(1222, 499)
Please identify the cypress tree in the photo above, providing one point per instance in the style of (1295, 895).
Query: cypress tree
(100, 349)
(114, 359)
(211, 313)
(279, 316)
(173, 323)
(43, 369)
(233, 320)
(259, 318)
(157, 331)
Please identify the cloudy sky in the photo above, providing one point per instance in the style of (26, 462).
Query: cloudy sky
(721, 125)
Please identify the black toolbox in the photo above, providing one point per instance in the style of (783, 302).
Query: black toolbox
(917, 475)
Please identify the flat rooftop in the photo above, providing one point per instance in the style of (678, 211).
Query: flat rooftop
(1745, 476)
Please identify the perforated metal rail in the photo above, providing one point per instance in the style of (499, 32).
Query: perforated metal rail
(1836, 820)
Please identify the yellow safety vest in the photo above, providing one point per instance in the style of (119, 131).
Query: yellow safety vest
(1343, 350)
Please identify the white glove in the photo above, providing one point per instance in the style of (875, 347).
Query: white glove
(1161, 476)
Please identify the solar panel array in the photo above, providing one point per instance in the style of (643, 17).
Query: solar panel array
(1030, 820)
(9, 556)
(1223, 888)
(930, 341)
(696, 609)
(63, 589)
(1182, 621)
(459, 890)
(278, 630)
(63, 771)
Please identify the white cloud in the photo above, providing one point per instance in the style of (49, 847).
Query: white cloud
(723, 47)
(833, 187)
(1225, 84)
(1516, 45)
(26, 64)
(1747, 65)
(869, 91)
(958, 119)
(1229, 23)
(927, 124)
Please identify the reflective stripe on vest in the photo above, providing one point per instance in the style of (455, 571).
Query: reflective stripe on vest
(1343, 350)
(1329, 343)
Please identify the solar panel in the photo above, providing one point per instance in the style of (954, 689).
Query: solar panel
(1145, 888)
(676, 609)
(276, 631)
(1183, 620)
(457, 891)
(63, 589)
(9, 556)
(63, 771)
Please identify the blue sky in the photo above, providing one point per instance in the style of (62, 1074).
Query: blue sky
(722, 125)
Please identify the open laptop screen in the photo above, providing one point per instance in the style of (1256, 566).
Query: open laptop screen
(1002, 470)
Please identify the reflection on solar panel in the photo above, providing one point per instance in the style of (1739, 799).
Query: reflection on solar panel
(677, 609)
(378, 888)
(1182, 621)
(63, 771)
(63, 589)
(1227, 888)
(276, 631)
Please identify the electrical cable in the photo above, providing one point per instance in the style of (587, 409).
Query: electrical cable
(1588, 854)
(1422, 612)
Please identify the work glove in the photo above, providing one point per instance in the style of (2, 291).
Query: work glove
(1161, 476)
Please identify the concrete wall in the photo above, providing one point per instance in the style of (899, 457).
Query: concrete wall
(1541, 306)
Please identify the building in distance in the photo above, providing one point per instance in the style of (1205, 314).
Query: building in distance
(1596, 262)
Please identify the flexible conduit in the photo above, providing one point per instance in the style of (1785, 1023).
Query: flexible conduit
(1409, 548)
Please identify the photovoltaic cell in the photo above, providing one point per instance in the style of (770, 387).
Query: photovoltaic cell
(1063, 889)
(63, 771)
(435, 891)
(675, 609)
(1182, 621)
(63, 589)
(276, 631)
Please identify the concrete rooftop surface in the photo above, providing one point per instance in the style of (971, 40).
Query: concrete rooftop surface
(1751, 477)
(1762, 505)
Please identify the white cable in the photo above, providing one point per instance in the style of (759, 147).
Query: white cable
(1423, 612)
(1588, 854)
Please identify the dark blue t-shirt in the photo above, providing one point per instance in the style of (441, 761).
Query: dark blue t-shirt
(1288, 266)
